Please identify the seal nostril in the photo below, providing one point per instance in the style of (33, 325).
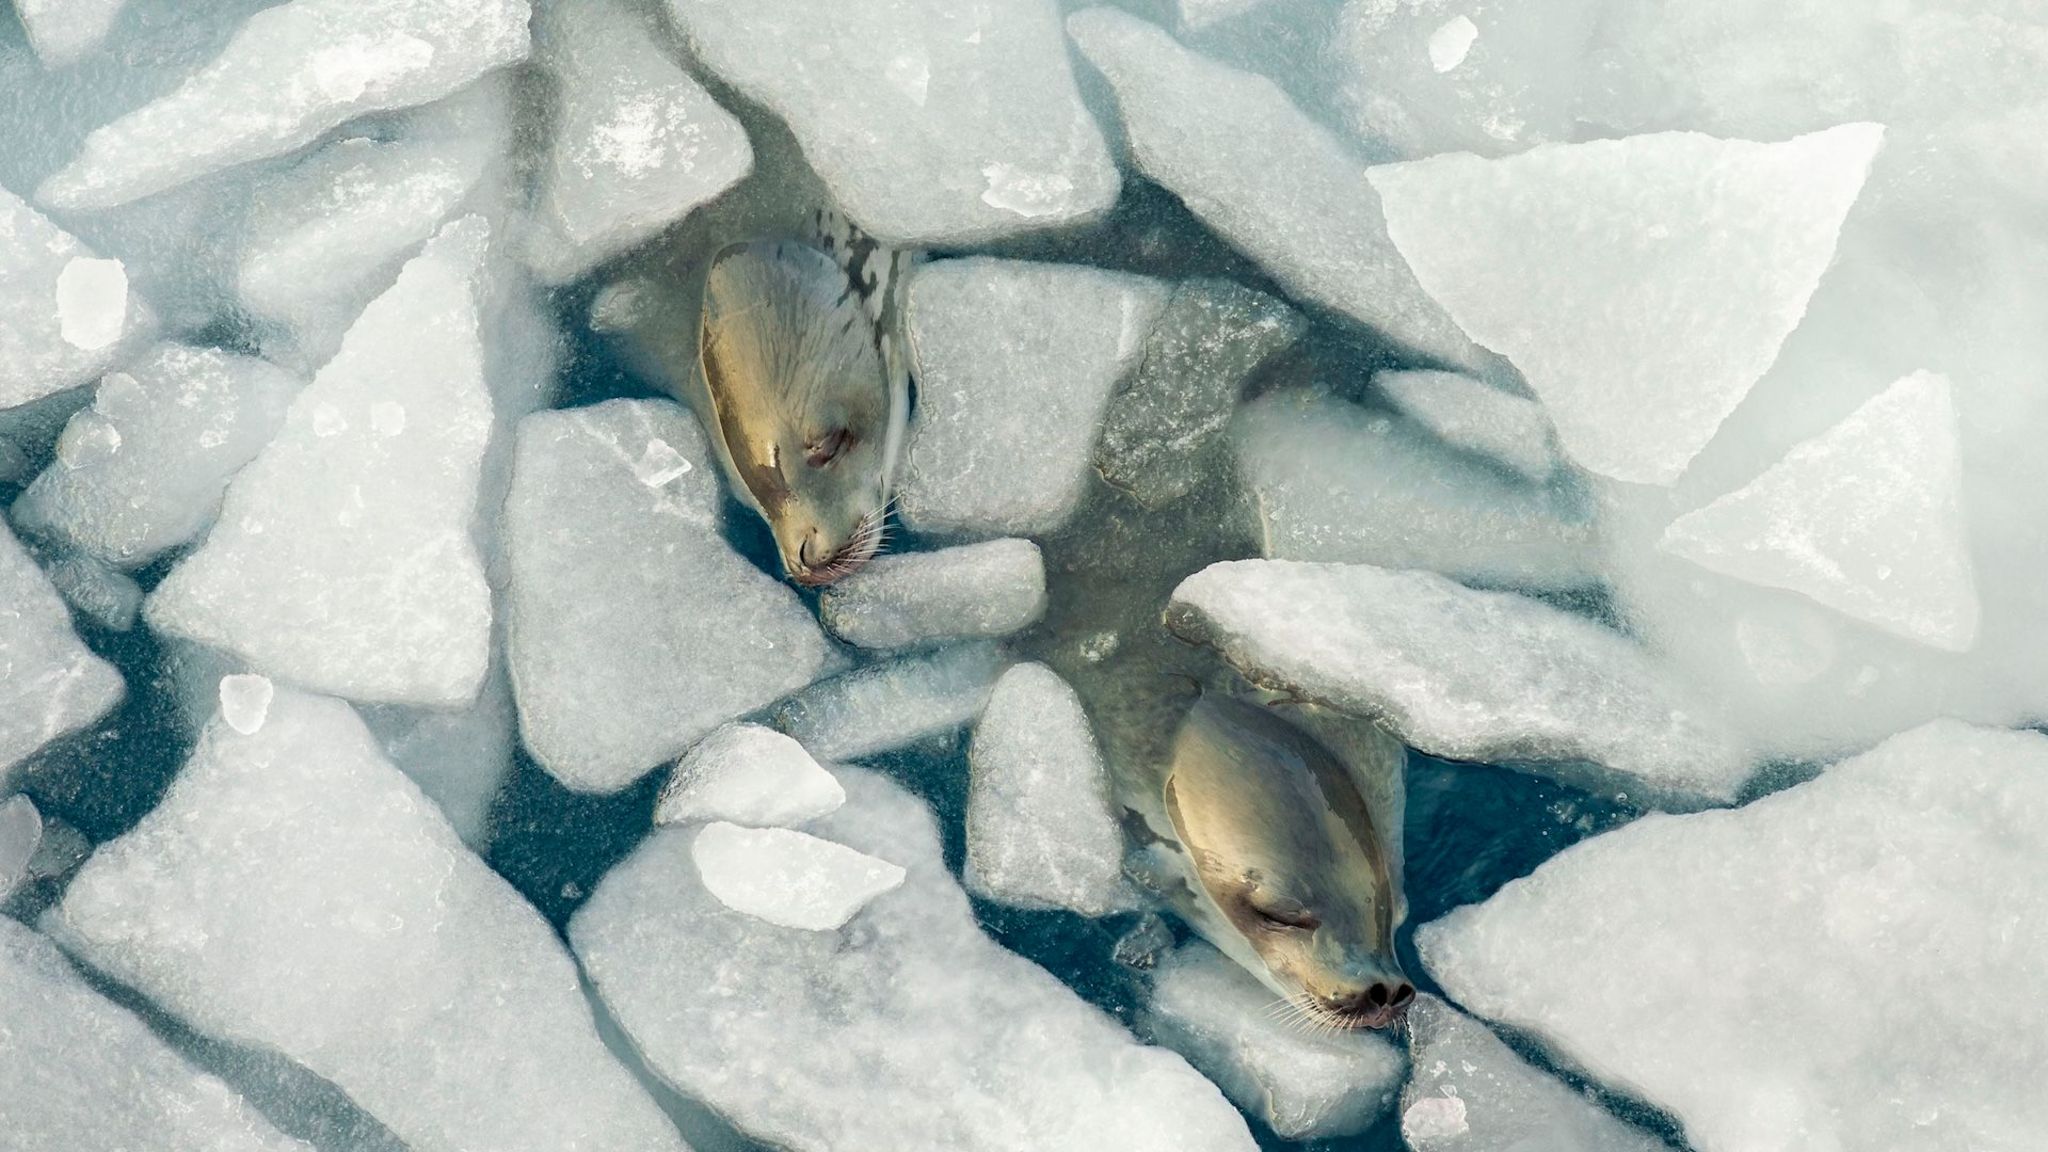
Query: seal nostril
(1377, 995)
(807, 551)
(1403, 994)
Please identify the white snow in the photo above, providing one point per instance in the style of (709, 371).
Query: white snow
(291, 73)
(1040, 831)
(295, 891)
(1469, 1091)
(1851, 963)
(931, 122)
(637, 143)
(1267, 178)
(245, 701)
(788, 878)
(142, 470)
(92, 302)
(63, 310)
(1332, 480)
(1303, 1085)
(344, 558)
(906, 1029)
(1008, 354)
(1866, 518)
(989, 589)
(1450, 43)
(53, 684)
(80, 1071)
(619, 666)
(1466, 675)
(1464, 413)
(21, 833)
(64, 31)
(1641, 285)
(888, 705)
(747, 774)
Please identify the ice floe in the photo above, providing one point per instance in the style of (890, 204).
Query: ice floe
(989, 589)
(21, 833)
(894, 703)
(749, 775)
(1511, 431)
(65, 313)
(788, 878)
(54, 685)
(62, 31)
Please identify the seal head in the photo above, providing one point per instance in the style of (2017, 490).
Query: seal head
(1291, 875)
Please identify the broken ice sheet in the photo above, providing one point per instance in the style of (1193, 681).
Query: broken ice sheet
(750, 775)
(788, 878)
(1511, 431)
(21, 832)
(62, 31)
(897, 599)
(65, 313)
(53, 684)
(889, 705)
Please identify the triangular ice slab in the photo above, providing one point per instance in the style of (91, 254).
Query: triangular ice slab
(1866, 518)
(1641, 285)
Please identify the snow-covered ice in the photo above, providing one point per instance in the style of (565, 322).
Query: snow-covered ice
(142, 470)
(894, 703)
(1333, 480)
(931, 123)
(344, 559)
(295, 891)
(62, 31)
(80, 1071)
(750, 775)
(907, 1029)
(1468, 1092)
(1265, 177)
(1467, 675)
(1303, 1085)
(637, 143)
(1212, 335)
(788, 878)
(65, 313)
(291, 73)
(1040, 831)
(21, 833)
(458, 756)
(54, 685)
(1851, 963)
(989, 589)
(634, 629)
(1010, 354)
(1641, 285)
(1866, 518)
(1512, 431)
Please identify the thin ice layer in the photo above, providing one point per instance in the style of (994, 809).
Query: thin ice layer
(788, 878)
(931, 122)
(1641, 285)
(295, 891)
(1511, 431)
(989, 589)
(889, 705)
(344, 558)
(64, 31)
(908, 1029)
(750, 775)
(1851, 963)
(54, 685)
(1466, 675)
(1008, 354)
(1277, 185)
(291, 73)
(65, 313)
(620, 665)
(21, 833)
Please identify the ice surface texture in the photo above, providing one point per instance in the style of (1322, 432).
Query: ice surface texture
(788, 878)
(894, 703)
(747, 774)
(62, 31)
(988, 589)
(53, 684)
(21, 833)
(295, 891)
(344, 558)
(634, 629)
(931, 122)
(1512, 431)
(1851, 963)
(1466, 675)
(906, 1029)
(65, 313)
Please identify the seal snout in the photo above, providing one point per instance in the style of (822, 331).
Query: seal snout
(1374, 1004)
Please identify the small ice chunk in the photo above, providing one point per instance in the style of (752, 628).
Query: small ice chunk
(291, 73)
(1450, 43)
(660, 463)
(989, 589)
(65, 31)
(1209, 340)
(459, 757)
(1197, 15)
(1277, 185)
(110, 598)
(747, 774)
(53, 684)
(789, 878)
(906, 109)
(347, 562)
(1009, 354)
(621, 665)
(186, 420)
(1641, 285)
(63, 310)
(637, 143)
(1040, 831)
(1332, 480)
(1866, 518)
(245, 701)
(1771, 989)
(906, 1029)
(1510, 430)
(1466, 675)
(886, 706)
(21, 833)
(1302, 1084)
(294, 891)
(1468, 1090)
(80, 1071)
